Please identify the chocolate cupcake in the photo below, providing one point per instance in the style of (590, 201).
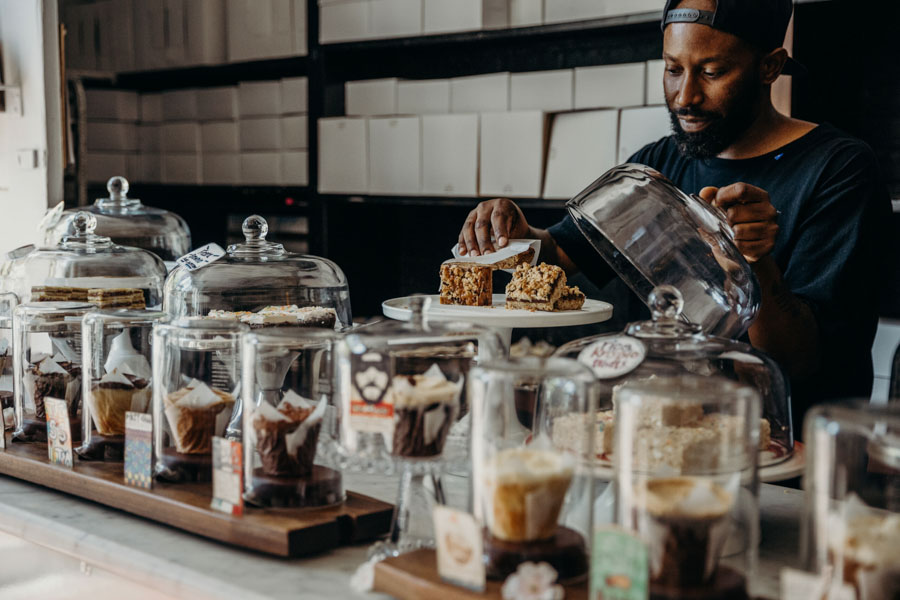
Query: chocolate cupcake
(114, 395)
(425, 407)
(55, 379)
(192, 413)
(286, 435)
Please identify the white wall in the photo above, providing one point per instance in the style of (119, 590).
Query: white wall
(28, 34)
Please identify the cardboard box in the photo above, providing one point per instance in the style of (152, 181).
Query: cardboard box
(151, 108)
(641, 126)
(261, 29)
(395, 18)
(222, 168)
(103, 165)
(295, 168)
(654, 90)
(261, 168)
(343, 156)
(294, 95)
(180, 105)
(371, 97)
(294, 133)
(205, 36)
(543, 90)
(450, 155)
(113, 105)
(442, 16)
(344, 22)
(582, 148)
(149, 137)
(480, 93)
(259, 98)
(182, 168)
(149, 168)
(181, 137)
(512, 154)
(217, 103)
(431, 96)
(395, 155)
(261, 133)
(526, 13)
(104, 135)
(220, 136)
(610, 86)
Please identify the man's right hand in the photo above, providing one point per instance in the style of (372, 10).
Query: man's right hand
(500, 218)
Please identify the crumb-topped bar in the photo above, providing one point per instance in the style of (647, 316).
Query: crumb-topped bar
(535, 288)
(469, 284)
(572, 298)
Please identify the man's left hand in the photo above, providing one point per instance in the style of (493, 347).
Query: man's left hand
(750, 213)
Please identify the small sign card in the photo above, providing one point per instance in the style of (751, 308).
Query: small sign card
(459, 548)
(619, 565)
(201, 257)
(139, 449)
(613, 356)
(59, 432)
(228, 481)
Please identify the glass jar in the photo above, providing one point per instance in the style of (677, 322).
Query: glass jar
(291, 431)
(851, 525)
(86, 267)
(668, 346)
(196, 385)
(47, 349)
(260, 283)
(127, 221)
(692, 496)
(117, 378)
(8, 302)
(532, 493)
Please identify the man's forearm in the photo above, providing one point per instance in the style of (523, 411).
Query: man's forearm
(551, 252)
(785, 328)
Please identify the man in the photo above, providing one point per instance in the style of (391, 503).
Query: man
(804, 199)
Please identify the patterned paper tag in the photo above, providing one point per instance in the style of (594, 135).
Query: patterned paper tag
(138, 449)
(619, 565)
(460, 555)
(201, 257)
(59, 432)
(228, 481)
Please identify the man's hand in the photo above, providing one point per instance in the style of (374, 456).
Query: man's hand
(750, 213)
(500, 218)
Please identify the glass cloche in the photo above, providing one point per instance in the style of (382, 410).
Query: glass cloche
(127, 221)
(86, 267)
(260, 283)
(668, 346)
(8, 303)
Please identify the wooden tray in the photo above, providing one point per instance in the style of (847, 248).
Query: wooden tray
(282, 532)
(414, 576)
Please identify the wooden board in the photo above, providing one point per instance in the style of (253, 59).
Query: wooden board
(414, 576)
(282, 532)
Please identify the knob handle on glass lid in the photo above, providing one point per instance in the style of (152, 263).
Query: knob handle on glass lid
(84, 223)
(255, 228)
(117, 187)
(665, 302)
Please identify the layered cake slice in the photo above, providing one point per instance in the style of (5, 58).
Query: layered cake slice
(535, 288)
(469, 284)
(116, 298)
(281, 316)
(50, 293)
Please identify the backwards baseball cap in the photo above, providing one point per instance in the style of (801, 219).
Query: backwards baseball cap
(762, 23)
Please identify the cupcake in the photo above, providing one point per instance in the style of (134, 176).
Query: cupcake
(425, 407)
(192, 413)
(112, 396)
(286, 435)
(55, 378)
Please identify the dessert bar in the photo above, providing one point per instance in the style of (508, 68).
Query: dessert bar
(469, 284)
(535, 288)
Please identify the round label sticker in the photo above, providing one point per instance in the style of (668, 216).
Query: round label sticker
(613, 356)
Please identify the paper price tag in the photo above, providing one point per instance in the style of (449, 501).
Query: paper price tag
(138, 449)
(202, 256)
(59, 432)
(228, 472)
(620, 569)
(459, 548)
(613, 356)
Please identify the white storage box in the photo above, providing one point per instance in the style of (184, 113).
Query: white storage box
(641, 126)
(294, 95)
(582, 147)
(610, 86)
(222, 168)
(295, 168)
(442, 16)
(294, 133)
(344, 22)
(180, 105)
(512, 154)
(149, 137)
(217, 103)
(182, 168)
(205, 36)
(395, 18)
(113, 105)
(526, 13)
(103, 165)
(343, 156)
(544, 90)
(655, 92)
(450, 155)
(260, 29)
(261, 168)
(263, 133)
(221, 136)
(151, 108)
(259, 98)
(103, 135)
(431, 96)
(480, 93)
(181, 137)
(371, 97)
(394, 155)
(149, 167)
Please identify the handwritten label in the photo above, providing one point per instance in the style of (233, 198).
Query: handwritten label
(613, 356)
(620, 569)
(460, 555)
(59, 432)
(201, 257)
(138, 449)
(228, 476)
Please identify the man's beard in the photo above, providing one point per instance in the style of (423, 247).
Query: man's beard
(723, 129)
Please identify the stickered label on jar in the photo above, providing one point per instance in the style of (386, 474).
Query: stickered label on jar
(202, 256)
(371, 403)
(613, 356)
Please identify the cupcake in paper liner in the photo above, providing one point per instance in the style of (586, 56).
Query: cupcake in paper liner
(286, 435)
(425, 407)
(52, 377)
(192, 413)
(112, 396)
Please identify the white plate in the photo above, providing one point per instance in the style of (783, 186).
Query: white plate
(593, 311)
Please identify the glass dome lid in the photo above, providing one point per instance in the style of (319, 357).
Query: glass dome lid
(86, 266)
(126, 221)
(262, 284)
(667, 346)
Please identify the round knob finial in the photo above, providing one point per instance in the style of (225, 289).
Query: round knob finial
(255, 228)
(665, 302)
(84, 223)
(117, 187)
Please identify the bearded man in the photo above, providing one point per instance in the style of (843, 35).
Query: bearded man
(805, 200)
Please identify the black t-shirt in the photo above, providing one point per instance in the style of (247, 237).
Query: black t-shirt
(829, 245)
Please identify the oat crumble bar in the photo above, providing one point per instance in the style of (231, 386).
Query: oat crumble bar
(469, 284)
(535, 288)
